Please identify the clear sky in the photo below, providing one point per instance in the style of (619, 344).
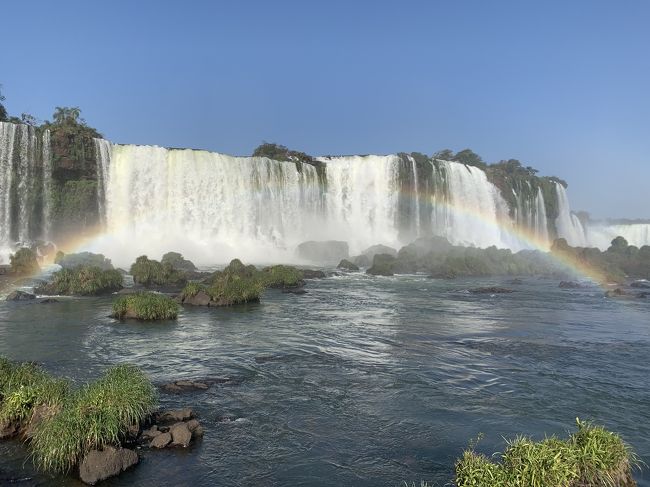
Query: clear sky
(563, 86)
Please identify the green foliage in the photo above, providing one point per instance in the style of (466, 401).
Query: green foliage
(95, 416)
(234, 289)
(70, 261)
(281, 276)
(191, 289)
(83, 281)
(3, 111)
(24, 262)
(26, 386)
(279, 152)
(74, 205)
(591, 456)
(150, 272)
(145, 306)
(176, 261)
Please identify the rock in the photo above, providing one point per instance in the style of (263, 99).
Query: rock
(346, 265)
(198, 432)
(8, 429)
(370, 252)
(640, 284)
(571, 285)
(491, 290)
(362, 260)
(176, 415)
(161, 440)
(20, 296)
(100, 465)
(516, 282)
(312, 274)
(185, 386)
(151, 433)
(181, 435)
(199, 299)
(192, 424)
(178, 262)
(49, 301)
(294, 290)
(382, 265)
(40, 413)
(327, 252)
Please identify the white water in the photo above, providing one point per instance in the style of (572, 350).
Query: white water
(47, 186)
(103, 157)
(7, 137)
(568, 224)
(601, 235)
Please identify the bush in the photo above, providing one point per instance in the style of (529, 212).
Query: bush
(88, 259)
(24, 262)
(191, 289)
(150, 272)
(231, 290)
(592, 456)
(145, 306)
(280, 276)
(83, 281)
(95, 416)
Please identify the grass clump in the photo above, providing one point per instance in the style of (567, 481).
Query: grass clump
(95, 416)
(83, 281)
(592, 456)
(280, 276)
(231, 290)
(24, 262)
(191, 289)
(23, 387)
(149, 272)
(145, 306)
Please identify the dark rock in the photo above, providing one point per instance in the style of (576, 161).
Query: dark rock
(176, 415)
(491, 290)
(370, 252)
(571, 285)
(362, 260)
(382, 265)
(8, 429)
(49, 301)
(294, 290)
(100, 465)
(192, 424)
(20, 296)
(199, 299)
(185, 386)
(161, 440)
(313, 274)
(516, 282)
(345, 264)
(640, 284)
(198, 432)
(181, 435)
(151, 433)
(327, 252)
(178, 262)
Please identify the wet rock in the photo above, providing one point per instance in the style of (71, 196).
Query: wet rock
(151, 433)
(185, 386)
(491, 290)
(370, 252)
(346, 265)
(294, 290)
(100, 465)
(8, 429)
(623, 294)
(161, 440)
(176, 415)
(312, 274)
(181, 435)
(330, 251)
(49, 301)
(192, 424)
(516, 282)
(20, 296)
(199, 299)
(571, 285)
(640, 285)
(382, 265)
(197, 432)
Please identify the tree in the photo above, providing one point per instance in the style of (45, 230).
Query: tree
(469, 157)
(619, 244)
(443, 155)
(3, 110)
(68, 115)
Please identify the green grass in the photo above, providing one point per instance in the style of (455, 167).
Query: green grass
(97, 415)
(83, 281)
(231, 290)
(282, 276)
(145, 306)
(591, 456)
(191, 289)
(26, 386)
(150, 272)
(24, 262)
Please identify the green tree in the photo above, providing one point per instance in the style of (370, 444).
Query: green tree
(3, 110)
(444, 155)
(469, 157)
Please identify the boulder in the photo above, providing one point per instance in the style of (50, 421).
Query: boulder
(312, 274)
(327, 252)
(8, 429)
(370, 252)
(151, 433)
(178, 262)
(20, 296)
(185, 386)
(346, 265)
(382, 265)
(49, 301)
(640, 284)
(199, 299)
(100, 465)
(570, 285)
(294, 290)
(491, 290)
(161, 440)
(362, 260)
(176, 415)
(181, 435)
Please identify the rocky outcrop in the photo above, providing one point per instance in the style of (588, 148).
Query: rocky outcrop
(382, 265)
(570, 285)
(20, 296)
(346, 265)
(327, 252)
(100, 465)
(313, 274)
(175, 428)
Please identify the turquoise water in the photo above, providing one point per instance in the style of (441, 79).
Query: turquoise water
(364, 381)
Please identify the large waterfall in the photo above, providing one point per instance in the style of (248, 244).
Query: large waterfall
(25, 185)
(568, 224)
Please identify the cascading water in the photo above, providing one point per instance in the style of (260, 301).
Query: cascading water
(103, 158)
(7, 138)
(601, 234)
(47, 186)
(568, 224)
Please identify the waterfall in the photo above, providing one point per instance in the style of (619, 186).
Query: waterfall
(210, 206)
(540, 219)
(601, 234)
(471, 211)
(416, 196)
(361, 200)
(47, 186)
(568, 224)
(103, 157)
(7, 138)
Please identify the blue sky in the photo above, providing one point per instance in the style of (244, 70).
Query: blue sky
(561, 85)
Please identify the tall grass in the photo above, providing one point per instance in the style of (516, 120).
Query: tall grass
(592, 456)
(146, 306)
(95, 416)
(83, 281)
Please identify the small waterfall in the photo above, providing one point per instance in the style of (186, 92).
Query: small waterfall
(25, 177)
(471, 211)
(361, 199)
(568, 225)
(7, 138)
(47, 186)
(540, 219)
(103, 158)
(416, 196)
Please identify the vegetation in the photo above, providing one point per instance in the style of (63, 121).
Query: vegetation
(150, 272)
(24, 262)
(93, 417)
(231, 290)
(83, 281)
(145, 306)
(176, 261)
(592, 456)
(282, 276)
(279, 152)
(70, 261)
(3, 110)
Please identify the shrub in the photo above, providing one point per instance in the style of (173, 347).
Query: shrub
(145, 306)
(191, 289)
(282, 276)
(591, 456)
(24, 262)
(88, 259)
(95, 416)
(231, 290)
(176, 261)
(83, 281)
(150, 272)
